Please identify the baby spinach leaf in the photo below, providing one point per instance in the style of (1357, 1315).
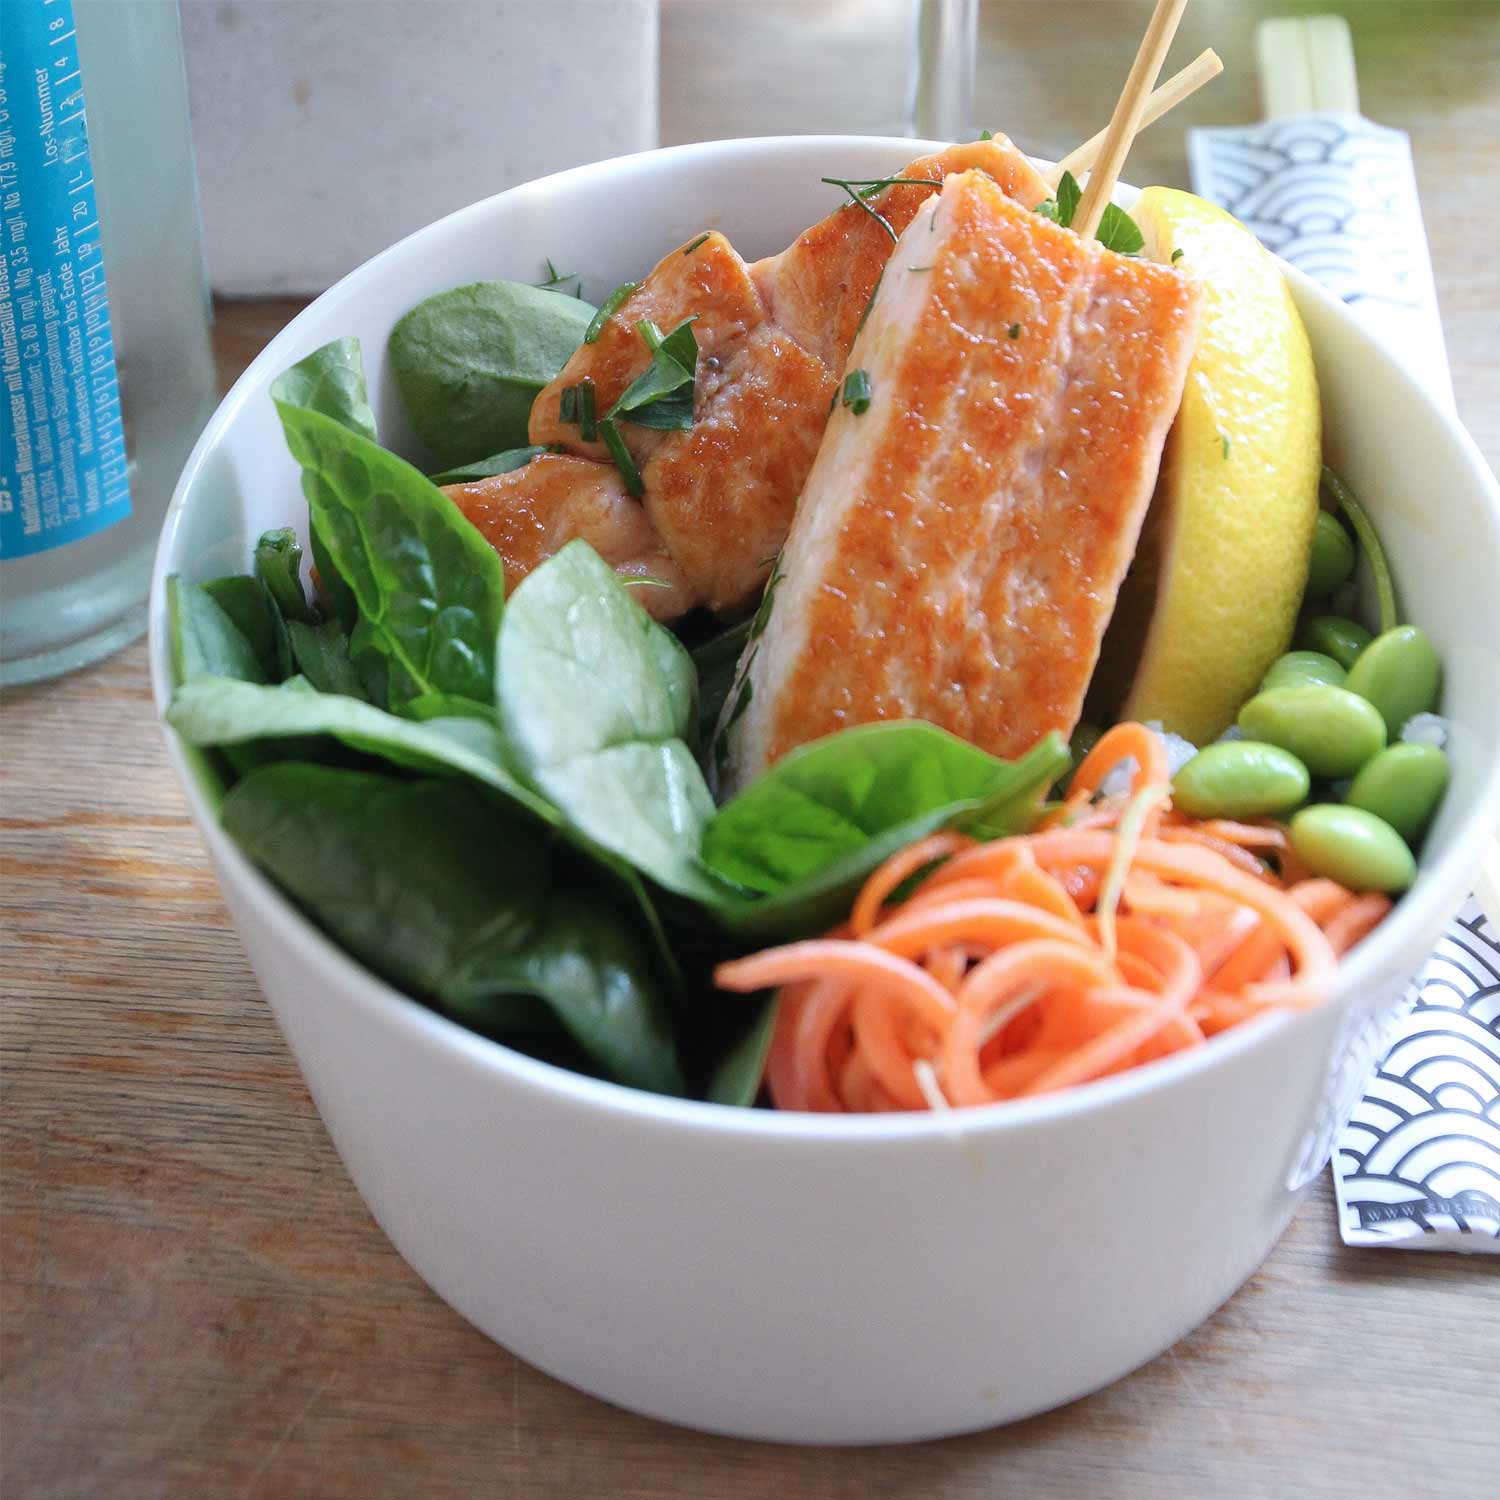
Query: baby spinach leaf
(469, 362)
(330, 380)
(661, 396)
(248, 604)
(220, 712)
(205, 640)
(487, 468)
(738, 1077)
(808, 832)
(428, 587)
(460, 901)
(321, 654)
(278, 565)
(595, 699)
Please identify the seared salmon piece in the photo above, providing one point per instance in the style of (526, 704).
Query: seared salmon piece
(958, 547)
(529, 513)
(708, 282)
(818, 287)
(772, 341)
(721, 495)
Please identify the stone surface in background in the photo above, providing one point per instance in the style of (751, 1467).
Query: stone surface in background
(328, 129)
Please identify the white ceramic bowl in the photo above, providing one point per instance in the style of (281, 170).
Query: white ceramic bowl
(798, 1277)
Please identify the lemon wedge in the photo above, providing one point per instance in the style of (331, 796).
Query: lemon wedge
(1212, 597)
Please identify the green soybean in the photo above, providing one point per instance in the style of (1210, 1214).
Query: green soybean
(1335, 636)
(1332, 559)
(1352, 846)
(1240, 779)
(1331, 731)
(1404, 785)
(1298, 667)
(1399, 672)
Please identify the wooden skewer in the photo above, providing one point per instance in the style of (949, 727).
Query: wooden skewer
(1126, 120)
(1203, 69)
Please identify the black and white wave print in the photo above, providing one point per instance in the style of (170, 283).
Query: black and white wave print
(1419, 1161)
(1333, 194)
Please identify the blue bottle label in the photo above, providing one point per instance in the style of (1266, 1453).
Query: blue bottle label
(63, 473)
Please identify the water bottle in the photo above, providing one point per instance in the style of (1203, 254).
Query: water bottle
(106, 375)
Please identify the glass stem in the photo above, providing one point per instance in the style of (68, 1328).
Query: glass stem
(942, 89)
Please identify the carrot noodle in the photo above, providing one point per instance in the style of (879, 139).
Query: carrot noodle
(1117, 932)
(897, 869)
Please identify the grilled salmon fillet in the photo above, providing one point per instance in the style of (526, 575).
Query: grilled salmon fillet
(958, 547)
(772, 339)
(529, 513)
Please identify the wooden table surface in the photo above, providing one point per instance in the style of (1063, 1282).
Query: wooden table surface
(195, 1301)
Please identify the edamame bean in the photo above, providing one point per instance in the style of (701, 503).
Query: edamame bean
(1404, 785)
(1240, 779)
(1399, 672)
(1352, 846)
(1331, 731)
(1332, 558)
(1297, 667)
(1335, 636)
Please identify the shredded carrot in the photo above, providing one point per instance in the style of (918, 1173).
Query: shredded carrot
(1118, 932)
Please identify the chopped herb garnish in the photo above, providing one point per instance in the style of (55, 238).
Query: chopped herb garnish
(986, 135)
(1177, 256)
(1224, 438)
(645, 581)
(688, 249)
(763, 611)
(576, 404)
(860, 189)
(1062, 208)
(1119, 232)
(661, 396)
(557, 279)
(857, 392)
(1014, 331)
(621, 455)
(611, 306)
(740, 705)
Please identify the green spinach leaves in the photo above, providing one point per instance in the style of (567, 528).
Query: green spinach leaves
(469, 363)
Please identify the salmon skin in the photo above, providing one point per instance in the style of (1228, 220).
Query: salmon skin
(959, 545)
(772, 339)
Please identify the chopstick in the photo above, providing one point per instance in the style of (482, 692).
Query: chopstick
(1128, 114)
(1203, 69)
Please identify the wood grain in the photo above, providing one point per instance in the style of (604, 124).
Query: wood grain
(194, 1301)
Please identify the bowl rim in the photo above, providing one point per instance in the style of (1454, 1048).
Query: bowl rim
(307, 945)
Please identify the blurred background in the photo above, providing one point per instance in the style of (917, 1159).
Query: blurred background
(326, 129)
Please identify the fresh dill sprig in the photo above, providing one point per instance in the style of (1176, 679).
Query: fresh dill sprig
(862, 189)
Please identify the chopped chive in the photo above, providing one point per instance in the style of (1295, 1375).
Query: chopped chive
(576, 405)
(621, 455)
(864, 317)
(1177, 256)
(645, 581)
(611, 306)
(556, 278)
(857, 392)
(688, 249)
(987, 135)
(1014, 331)
(1224, 436)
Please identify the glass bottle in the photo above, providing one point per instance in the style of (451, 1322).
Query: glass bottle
(106, 374)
